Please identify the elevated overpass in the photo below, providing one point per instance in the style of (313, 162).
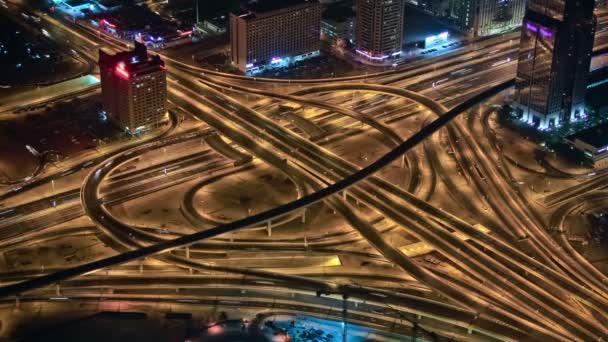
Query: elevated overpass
(598, 77)
(56, 277)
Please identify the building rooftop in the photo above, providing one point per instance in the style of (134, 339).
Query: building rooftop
(133, 18)
(338, 14)
(264, 6)
(136, 61)
(596, 136)
(420, 25)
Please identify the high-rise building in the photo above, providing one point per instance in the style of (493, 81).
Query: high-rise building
(554, 58)
(274, 33)
(134, 89)
(379, 28)
(487, 17)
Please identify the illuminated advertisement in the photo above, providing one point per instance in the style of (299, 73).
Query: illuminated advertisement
(436, 39)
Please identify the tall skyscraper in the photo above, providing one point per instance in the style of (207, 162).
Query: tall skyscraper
(554, 57)
(379, 28)
(273, 33)
(487, 17)
(134, 89)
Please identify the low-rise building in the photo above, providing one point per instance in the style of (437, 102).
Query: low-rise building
(216, 25)
(78, 9)
(592, 143)
(141, 24)
(338, 26)
(75, 9)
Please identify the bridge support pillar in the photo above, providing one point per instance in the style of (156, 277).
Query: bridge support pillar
(17, 302)
(304, 215)
(344, 318)
(344, 195)
(403, 161)
(57, 290)
(188, 257)
(269, 227)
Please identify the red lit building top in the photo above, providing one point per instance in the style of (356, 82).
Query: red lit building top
(134, 62)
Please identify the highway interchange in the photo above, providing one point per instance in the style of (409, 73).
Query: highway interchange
(519, 282)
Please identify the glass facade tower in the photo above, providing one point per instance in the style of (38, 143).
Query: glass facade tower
(553, 63)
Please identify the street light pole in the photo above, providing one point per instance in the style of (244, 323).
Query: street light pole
(344, 314)
(54, 202)
(197, 20)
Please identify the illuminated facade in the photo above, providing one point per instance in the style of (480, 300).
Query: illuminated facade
(592, 143)
(379, 28)
(140, 24)
(554, 58)
(274, 33)
(134, 89)
(487, 17)
(338, 26)
(437, 39)
(338, 32)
